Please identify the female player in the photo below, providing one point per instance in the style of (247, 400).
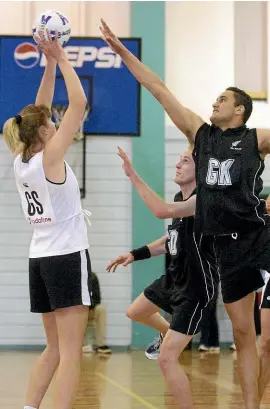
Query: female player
(59, 263)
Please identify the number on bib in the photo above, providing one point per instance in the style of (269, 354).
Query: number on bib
(34, 206)
(173, 242)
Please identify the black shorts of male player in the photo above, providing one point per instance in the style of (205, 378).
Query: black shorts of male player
(241, 259)
(186, 289)
(186, 314)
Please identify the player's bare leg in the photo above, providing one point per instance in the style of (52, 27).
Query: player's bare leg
(173, 345)
(45, 367)
(144, 311)
(264, 351)
(71, 323)
(241, 314)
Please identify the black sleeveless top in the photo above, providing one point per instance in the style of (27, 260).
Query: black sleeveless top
(188, 272)
(228, 173)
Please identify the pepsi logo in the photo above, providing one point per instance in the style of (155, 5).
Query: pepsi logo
(26, 55)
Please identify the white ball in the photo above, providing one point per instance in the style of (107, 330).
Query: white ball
(53, 21)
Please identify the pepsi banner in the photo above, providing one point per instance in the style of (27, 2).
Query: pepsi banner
(112, 92)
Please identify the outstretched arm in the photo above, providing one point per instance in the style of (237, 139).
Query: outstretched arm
(158, 206)
(57, 146)
(268, 205)
(156, 248)
(263, 136)
(187, 121)
(46, 89)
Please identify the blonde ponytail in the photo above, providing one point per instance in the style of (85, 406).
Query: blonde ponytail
(21, 133)
(12, 136)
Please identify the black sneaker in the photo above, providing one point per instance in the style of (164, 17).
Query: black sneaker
(104, 349)
(152, 352)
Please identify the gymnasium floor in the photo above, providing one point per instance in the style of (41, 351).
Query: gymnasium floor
(129, 381)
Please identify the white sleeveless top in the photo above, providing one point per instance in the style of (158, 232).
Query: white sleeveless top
(53, 210)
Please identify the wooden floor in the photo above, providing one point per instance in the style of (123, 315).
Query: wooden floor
(129, 381)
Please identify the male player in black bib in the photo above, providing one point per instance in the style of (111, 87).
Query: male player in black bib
(229, 161)
(189, 284)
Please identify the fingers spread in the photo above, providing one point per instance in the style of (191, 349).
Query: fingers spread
(56, 38)
(49, 36)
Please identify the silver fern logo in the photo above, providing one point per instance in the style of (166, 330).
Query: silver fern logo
(235, 146)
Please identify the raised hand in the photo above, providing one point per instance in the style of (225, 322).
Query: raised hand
(123, 260)
(127, 165)
(51, 48)
(113, 42)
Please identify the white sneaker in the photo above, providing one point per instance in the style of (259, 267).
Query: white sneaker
(214, 350)
(203, 348)
(88, 349)
(152, 351)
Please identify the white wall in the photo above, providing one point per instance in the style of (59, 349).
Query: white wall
(108, 197)
(196, 52)
(251, 45)
(200, 65)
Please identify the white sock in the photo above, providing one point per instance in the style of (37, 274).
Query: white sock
(29, 407)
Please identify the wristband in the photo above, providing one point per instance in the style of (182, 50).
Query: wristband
(141, 254)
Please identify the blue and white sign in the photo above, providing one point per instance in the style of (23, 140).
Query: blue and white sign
(111, 90)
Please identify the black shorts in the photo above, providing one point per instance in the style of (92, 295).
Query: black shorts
(59, 281)
(240, 260)
(265, 303)
(186, 314)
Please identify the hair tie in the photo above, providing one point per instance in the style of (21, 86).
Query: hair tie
(18, 119)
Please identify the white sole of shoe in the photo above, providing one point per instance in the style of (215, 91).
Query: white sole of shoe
(151, 357)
